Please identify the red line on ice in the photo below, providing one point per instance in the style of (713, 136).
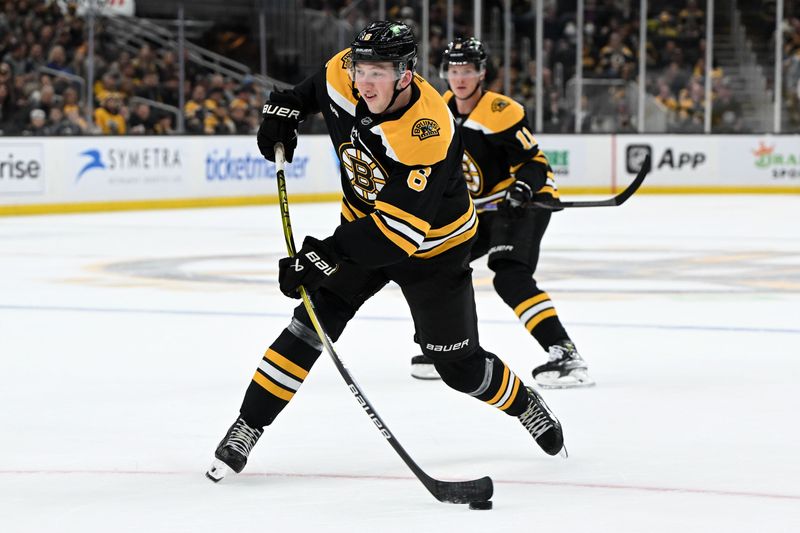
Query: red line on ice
(605, 486)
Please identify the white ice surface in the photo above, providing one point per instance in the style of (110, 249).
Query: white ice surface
(127, 341)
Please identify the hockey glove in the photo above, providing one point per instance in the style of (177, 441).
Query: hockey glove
(312, 265)
(280, 116)
(517, 195)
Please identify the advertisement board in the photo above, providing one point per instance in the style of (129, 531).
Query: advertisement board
(124, 167)
(678, 160)
(234, 166)
(578, 161)
(769, 160)
(51, 174)
(22, 168)
(705, 163)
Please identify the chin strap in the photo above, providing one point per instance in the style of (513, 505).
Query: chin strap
(395, 94)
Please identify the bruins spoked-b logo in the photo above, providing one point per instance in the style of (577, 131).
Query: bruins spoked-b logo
(366, 177)
(498, 104)
(424, 128)
(472, 175)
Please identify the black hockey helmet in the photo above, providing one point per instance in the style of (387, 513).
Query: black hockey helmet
(463, 52)
(386, 41)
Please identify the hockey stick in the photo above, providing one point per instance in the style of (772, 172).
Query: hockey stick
(444, 491)
(619, 199)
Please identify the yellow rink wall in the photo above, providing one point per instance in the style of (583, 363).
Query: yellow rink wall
(46, 175)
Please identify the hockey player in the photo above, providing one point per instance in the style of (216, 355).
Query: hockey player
(406, 217)
(504, 168)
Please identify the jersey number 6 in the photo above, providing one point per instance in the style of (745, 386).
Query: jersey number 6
(418, 178)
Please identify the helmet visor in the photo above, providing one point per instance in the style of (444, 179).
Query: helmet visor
(461, 69)
(375, 71)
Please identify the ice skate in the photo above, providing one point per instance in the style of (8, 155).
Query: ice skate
(565, 369)
(543, 425)
(422, 368)
(232, 452)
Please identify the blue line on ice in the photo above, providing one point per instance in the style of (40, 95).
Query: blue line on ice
(253, 314)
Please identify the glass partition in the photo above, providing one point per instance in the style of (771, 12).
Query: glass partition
(209, 70)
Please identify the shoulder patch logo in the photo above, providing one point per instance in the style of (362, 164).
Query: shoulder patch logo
(346, 60)
(425, 128)
(498, 104)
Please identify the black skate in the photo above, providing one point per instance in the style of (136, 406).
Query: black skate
(565, 369)
(543, 425)
(233, 449)
(422, 368)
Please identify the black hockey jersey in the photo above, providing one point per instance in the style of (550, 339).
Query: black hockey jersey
(500, 148)
(404, 193)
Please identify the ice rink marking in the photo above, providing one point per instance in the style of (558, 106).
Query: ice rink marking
(362, 477)
(254, 314)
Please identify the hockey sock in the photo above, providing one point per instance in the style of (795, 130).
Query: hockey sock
(486, 377)
(278, 377)
(516, 286)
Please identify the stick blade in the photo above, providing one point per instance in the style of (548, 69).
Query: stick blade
(463, 491)
(635, 184)
(611, 202)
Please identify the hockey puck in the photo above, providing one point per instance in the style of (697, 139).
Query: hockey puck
(480, 506)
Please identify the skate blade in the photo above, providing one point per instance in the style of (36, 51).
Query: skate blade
(575, 379)
(564, 454)
(425, 372)
(218, 471)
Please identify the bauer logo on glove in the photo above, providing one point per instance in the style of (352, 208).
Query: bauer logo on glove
(281, 114)
(321, 264)
(312, 265)
(279, 111)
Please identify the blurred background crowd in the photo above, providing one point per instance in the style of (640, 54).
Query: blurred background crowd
(136, 87)
(43, 48)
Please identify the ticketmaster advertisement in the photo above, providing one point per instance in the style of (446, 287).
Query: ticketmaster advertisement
(234, 166)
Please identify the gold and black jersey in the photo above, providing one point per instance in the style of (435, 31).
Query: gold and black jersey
(403, 190)
(499, 148)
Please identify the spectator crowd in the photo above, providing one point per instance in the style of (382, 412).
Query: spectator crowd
(43, 69)
(675, 58)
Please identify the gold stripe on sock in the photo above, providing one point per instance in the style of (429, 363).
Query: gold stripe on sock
(533, 322)
(500, 392)
(285, 364)
(530, 302)
(280, 392)
(513, 395)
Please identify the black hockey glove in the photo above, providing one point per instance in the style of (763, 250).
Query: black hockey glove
(517, 195)
(280, 116)
(312, 265)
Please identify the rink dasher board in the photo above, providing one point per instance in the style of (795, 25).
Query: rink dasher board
(99, 173)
